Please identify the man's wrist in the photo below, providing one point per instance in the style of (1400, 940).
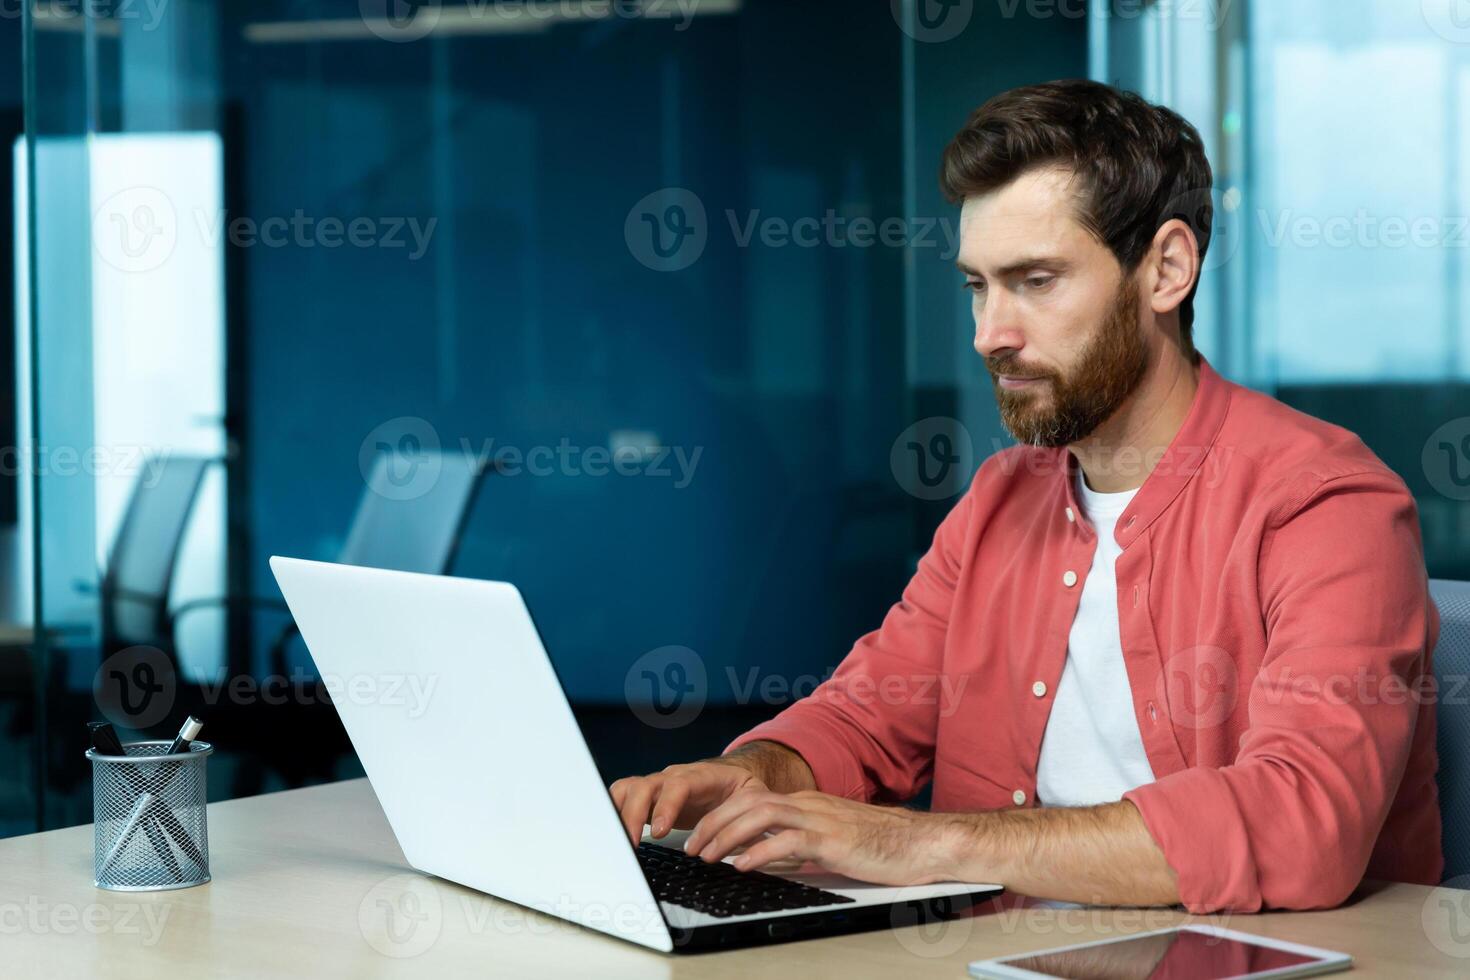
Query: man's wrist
(954, 842)
(777, 766)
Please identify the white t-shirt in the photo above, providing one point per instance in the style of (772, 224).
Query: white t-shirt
(1092, 751)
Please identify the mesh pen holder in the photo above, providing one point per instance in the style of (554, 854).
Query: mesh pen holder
(148, 809)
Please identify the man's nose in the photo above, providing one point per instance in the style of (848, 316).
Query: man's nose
(996, 328)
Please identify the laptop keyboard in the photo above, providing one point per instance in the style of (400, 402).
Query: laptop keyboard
(719, 890)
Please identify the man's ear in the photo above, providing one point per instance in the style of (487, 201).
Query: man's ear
(1174, 260)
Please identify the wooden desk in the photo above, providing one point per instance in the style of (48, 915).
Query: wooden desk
(304, 881)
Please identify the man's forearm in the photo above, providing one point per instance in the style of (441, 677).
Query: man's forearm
(780, 768)
(1101, 855)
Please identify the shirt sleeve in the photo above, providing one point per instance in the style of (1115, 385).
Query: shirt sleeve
(868, 731)
(1292, 822)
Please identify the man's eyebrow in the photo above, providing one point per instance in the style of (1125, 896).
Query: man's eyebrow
(1020, 265)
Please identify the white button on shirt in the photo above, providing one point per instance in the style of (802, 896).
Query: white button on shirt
(1069, 579)
(1091, 751)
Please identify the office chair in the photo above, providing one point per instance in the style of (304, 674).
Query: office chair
(135, 584)
(414, 534)
(1451, 667)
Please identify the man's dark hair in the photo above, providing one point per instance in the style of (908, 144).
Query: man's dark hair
(1138, 164)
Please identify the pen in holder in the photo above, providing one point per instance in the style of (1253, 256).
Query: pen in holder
(148, 808)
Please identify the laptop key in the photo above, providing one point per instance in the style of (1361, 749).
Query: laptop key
(722, 891)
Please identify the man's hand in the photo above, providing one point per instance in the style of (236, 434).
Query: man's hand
(678, 796)
(881, 844)
(1100, 855)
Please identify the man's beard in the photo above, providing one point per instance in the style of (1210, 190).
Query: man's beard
(1108, 370)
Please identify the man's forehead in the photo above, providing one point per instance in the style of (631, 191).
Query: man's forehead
(1034, 214)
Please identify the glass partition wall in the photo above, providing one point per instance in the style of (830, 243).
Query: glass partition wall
(674, 277)
(677, 279)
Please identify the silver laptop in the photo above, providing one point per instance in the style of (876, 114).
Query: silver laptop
(465, 733)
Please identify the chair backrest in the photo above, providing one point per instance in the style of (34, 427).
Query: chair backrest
(1451, 667)
(140, 567)
(413, 524)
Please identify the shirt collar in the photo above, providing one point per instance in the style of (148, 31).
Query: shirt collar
(1184, 457)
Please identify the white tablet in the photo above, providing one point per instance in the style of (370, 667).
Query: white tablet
(1195, 951)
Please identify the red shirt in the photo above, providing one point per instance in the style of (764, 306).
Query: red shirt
(1276, 625)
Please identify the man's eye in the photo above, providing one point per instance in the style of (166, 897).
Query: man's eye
(1038, 282)
(974, 285)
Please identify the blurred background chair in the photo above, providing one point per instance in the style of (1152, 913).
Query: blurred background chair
(412, 532)
(134, 585)
(1451, 668)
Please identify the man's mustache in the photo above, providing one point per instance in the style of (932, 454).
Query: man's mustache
(1002, 371)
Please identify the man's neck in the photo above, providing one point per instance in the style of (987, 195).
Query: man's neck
(1121, 453)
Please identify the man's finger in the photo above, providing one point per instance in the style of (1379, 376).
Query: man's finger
(670, 804)
(787, 845)
(750, 825)
(713, 822)
(635, 808)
